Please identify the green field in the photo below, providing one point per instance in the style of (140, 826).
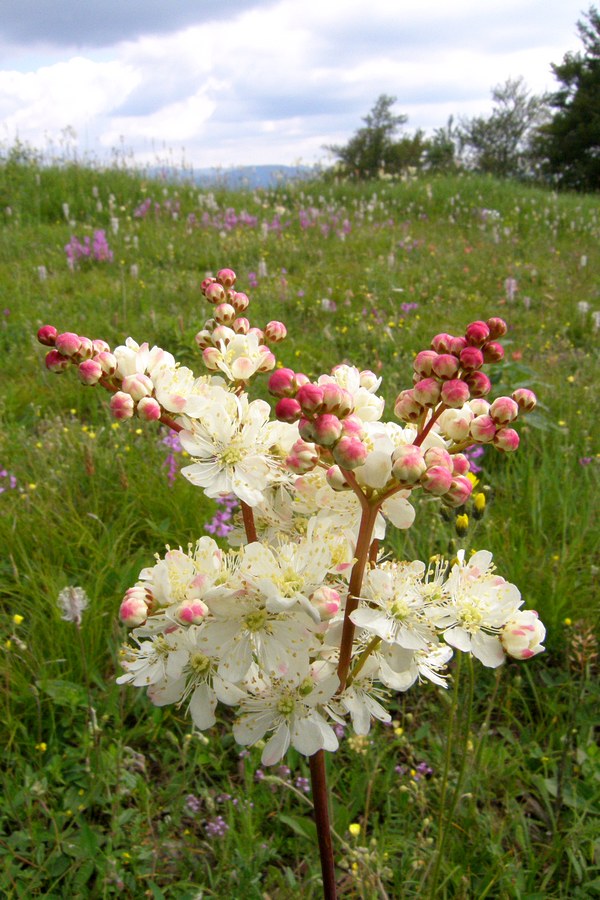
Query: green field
(105, 795)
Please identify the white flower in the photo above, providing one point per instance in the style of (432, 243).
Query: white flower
(361, 698)
(157, 659)
(179, 391)
(72, 602)
(238, 356)
(523, 634)
(138, 359)
(400, 668)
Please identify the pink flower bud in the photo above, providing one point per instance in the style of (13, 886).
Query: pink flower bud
(121, 405)
(56, 362)
(211, 357)
(310, 398)
(282, 383)
(455, 393)
(480, 407)
(523, 634)
(457, 345)
(241, 326)
(86, 348)
(288, 410)
(504, 410)
(482, 429)
(275, 332)
(328, 430)
(423, 362)
(204, 339)
(445, 366)
(336, 479)
(259, 334)
(222, 333)
(498, 328)
(137, 385)
(471, 358)
(306, 428)
(506, 439)
(303, 457)
(134, 607)
(326, 601)
(149, 409)
(225, 313)
(436, 480)
(353, 426)
(47, 335)
(493, 352)
(215, 292)
(336, 399)
(525, 399)
(478, 383)
(441, 343)
(108, 361)
(268, 360)
(407, 408)
(226, 277)
(459, 491)
(477, 333)
(427, 391)
(369, 380)
(349, 452)
(239, 301)
(408, 464)
(68, 343)
(454, 423)
(460, 464)
(89, 371)
(300, 379)
(100, 346)
(437, 456)
(204, 284)
(191, 612)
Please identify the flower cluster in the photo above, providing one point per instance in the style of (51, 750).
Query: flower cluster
(300, 626)
(95, 248)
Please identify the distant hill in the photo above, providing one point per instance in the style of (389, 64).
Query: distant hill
(239, 177)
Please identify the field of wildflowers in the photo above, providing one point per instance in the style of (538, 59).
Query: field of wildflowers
(490, 789)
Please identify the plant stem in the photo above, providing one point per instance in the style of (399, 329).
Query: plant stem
(249, 525)
(321, 806)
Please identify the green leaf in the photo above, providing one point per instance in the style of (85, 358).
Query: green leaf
(64, 693)
(305, 828)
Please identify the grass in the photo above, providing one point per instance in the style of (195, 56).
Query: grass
(105, 795)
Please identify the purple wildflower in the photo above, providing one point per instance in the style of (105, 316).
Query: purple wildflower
(216, 827)
(219, 524)
(473, 454)
(192, 804)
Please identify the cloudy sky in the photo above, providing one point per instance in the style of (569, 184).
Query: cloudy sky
(231, 82)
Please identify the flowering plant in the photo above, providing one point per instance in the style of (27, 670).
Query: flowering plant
(301, 624)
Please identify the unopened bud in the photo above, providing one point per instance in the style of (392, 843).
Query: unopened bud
(327, 601)
(204, 339)
(445, 366)
(455, 393)
(303, 457)
(441, 343)
(215, 292)
(479, 406)
(138, 385)
(275, 332)
(525, 399)
(493, 352)
(47, 335)
(86, 348)
(498, 328)
(226, 277)
(306, 427)
(134, 607)
(407, 408)
(506, 439)
(408, 463)
(288, 410)
(477, 333)
(482, 429)
(211, 357)
(349, 452)
(427, 391)
(67, 343)
(328, 430)
(310, 398)
(267, 363)
(369, 380)
(504, 410)
(100, 346)
(204, 284)
(282, 383)
(478, 383)
(336, 479)
(522, 635)
(423, 362)
(459, 491)
(460, 464)
(353, 426)
(471, 358)
(225, 313)
(191, 612)
(454, 423)
(457, 345)
(436, 480)
(89, 371)
(108, 361)
(241, 325)
(239, 301)
(56, 362)
(121, 405)
(149, 409)
(437, 456)
(336, 399)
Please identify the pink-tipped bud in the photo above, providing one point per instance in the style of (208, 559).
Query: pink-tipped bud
(336, 399)
(353, 426)
(138, 385)
(408, 463)
(407, 408)
(204, 339)
(121, 405)
(56, 362)
(134, 607)
(149, 409)
(47, 335)
(288, 410)
(327, 602)
(459, 491)
(215, 292)
(225, 313)
(310, 398)
(226, 277)
(282, 383)
(350, 452)
(336, 479)
(191, 612)
(441, 343)
(369, 380)
(86, 348)
(204, 284)
(222, 333)
(303, 457)
(100, 346)
(479, 384)
(480, 407)
(328, 430)
(498, 328)
(437, 456)
(268, 360)
(108, 362)
(436, 480)
(241, 326)
(301, 379)
(239, 301)
(504, 410)
(68, 343)
(89, 371)
(493, 352)
(423, 363)
(427, 391)
(522, 635)
(457, 345)
(445, 366)
(525, 399)
(477, 333)
(211, 357)
(259, 334)
(460, 464)
(455, 393)
(506, 439)
(275, 332)
(471, 358)
(482, 429)
(454, 423)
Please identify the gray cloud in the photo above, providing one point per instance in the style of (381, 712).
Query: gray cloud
(100, 23)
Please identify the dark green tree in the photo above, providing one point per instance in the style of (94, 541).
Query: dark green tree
(570, 142)
(373, 148)
(502, 143)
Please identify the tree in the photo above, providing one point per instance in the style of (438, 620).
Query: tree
(502, 144)
(373, 148)
(570, 142)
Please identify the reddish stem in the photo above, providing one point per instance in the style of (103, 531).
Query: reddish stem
(321, 809)
(249, 525)
(421, 437)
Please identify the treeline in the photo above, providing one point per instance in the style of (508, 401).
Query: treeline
(552, 138)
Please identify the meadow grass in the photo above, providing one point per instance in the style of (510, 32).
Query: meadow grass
(105, 795)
